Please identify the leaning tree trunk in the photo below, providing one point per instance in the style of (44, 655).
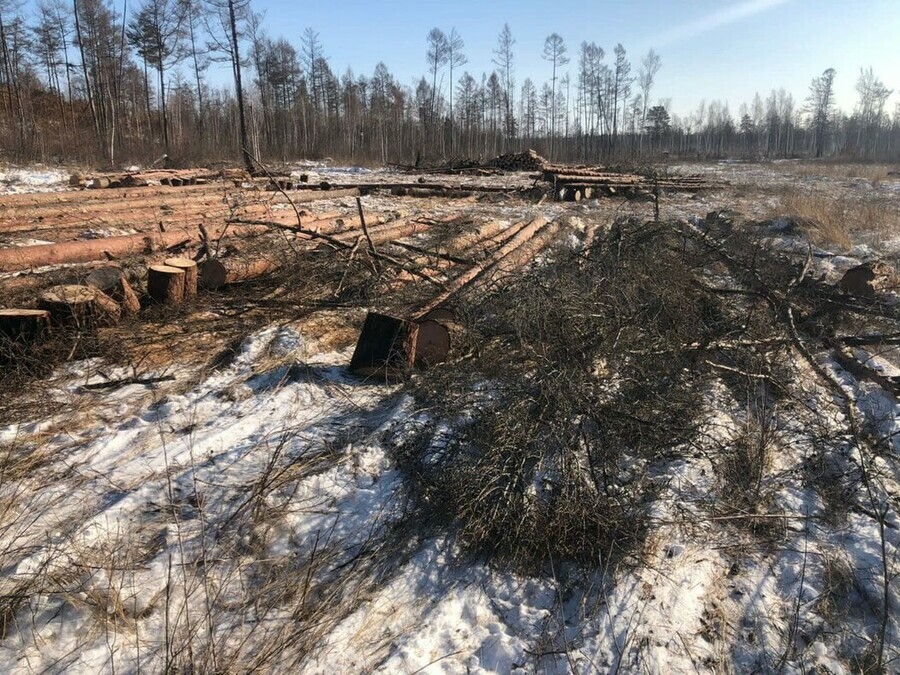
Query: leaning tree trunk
(236, 63)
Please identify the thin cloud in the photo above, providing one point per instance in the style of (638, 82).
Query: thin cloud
(717, 19)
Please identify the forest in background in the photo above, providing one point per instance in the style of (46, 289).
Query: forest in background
(112, 83)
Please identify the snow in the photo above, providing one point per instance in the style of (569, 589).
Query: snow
(14, 180)
(155, 481)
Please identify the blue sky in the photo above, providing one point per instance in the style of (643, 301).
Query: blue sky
(725, 49)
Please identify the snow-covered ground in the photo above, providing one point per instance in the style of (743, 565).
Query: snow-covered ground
(257, 519)
(14, 180)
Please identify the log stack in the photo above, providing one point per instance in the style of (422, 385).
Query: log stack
(572, 184)
(519, 161)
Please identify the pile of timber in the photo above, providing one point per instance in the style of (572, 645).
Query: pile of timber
(170, 177)
(519, 161)
(577, 183)
(453, 167)
(421, 188)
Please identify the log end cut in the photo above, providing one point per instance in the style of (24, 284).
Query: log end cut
(432, 344)
(386, 347)
(190, 274)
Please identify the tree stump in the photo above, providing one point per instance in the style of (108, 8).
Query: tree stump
(112, 281)
(23, 325)
(190, 274)
(82, 306)
(165, 284)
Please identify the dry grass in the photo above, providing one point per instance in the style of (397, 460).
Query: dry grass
(872, 172)
(840, 221)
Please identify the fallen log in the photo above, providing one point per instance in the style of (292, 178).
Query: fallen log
(443, 189)
(390, 346)
(303, 196)
(25, 257)
(389, 231)
(218, 272)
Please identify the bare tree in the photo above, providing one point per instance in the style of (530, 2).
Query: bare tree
(821, 105)
(621, 89)
(156, 32)
(650, 66)
(455, 59)
(504, 60)
(199, 59)
(436, 57)
(555, 53)
(873, 96)
(227, 40)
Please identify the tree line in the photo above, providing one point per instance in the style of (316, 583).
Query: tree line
(94, 81)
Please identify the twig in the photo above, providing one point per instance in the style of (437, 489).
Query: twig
(112, 384)
(362, 222)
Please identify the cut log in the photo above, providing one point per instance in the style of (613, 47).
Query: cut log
(82, 306)
(432, 344)
(100, 183)
(386, 347)
(165, 284)
(112, 281)
(23, 325)
(472, 274)
(190, 275)
(24, 257)
(218, 272)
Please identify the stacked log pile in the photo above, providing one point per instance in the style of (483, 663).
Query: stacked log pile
(519, 161)
(577, 183)
(168, 177)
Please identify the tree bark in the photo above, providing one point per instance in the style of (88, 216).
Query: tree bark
(165, 284)
(190, 275)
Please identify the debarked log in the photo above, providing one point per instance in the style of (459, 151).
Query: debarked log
(25, 257)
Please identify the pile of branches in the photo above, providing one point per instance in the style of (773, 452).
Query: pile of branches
(585, 376)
